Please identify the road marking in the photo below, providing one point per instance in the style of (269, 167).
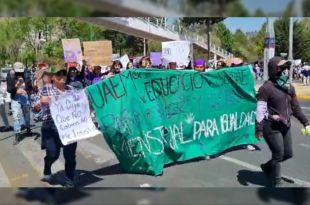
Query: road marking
(4, 180)
(33, 153)
(255, 168)
(305, 108)
(94, 152)
(305, 145)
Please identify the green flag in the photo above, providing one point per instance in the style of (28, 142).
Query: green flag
(151, 118)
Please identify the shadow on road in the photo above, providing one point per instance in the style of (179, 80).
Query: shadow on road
(51, 195)
(295, 196)
(24, 135)
(247, 177)
(109, 170)
(83, 178)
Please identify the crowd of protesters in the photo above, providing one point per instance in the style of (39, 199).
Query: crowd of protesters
(32, 89)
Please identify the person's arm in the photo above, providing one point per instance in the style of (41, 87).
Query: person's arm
(297, 111)
(261, 111)
(44, 99)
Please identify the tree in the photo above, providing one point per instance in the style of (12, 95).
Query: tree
(281, 27)
(237, 9)
(259, 13)
(258, 41)
(225, 36)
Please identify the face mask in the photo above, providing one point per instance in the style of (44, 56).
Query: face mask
(283, 78)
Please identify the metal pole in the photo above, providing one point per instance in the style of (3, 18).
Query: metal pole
(290, 55)
(209, 42)
(144, 46)
(298, 7)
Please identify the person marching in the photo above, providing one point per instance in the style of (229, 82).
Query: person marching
(50, 136)
(200, 65)
(277, 101)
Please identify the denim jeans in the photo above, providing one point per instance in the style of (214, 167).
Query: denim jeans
(4, 115)
(52, 145)
(21, 112)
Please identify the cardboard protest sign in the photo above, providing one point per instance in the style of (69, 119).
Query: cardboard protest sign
(72, 50)
(98, 52)
(156, 58)
(71, 115)
(152, 117)
(176, 51)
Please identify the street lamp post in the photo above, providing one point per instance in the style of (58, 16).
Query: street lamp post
(290, 54)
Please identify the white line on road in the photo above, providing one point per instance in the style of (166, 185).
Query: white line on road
(305, 145)
(305, 108)
(94, 152)
(255, 168)
(35, 156)
(4, 181)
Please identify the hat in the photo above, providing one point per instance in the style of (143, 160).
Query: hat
(199, 62)
(236, 61)
(55, 70)
(42, 65)
(276, 65)
(18, 67)
(277, 62)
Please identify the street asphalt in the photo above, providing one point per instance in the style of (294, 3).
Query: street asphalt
(21, 166)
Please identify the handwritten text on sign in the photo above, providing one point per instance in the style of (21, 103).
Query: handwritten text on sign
(71, 115)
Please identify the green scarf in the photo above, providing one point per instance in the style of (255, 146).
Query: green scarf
(282, 80)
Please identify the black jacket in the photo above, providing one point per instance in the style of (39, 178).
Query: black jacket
(10, 82)
(280, 101)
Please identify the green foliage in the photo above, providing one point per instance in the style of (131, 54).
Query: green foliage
(225, 36)
(29, 39)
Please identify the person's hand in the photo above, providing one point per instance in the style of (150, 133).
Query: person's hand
(37, 107)
(276, 118)
(259, 135)
(306, 131)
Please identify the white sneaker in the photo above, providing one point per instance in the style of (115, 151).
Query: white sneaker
(251, 148)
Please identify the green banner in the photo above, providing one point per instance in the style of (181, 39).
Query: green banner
(152, 117)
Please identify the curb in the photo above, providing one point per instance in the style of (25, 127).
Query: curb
(303, 97)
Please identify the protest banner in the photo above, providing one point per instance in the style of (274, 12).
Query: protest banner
(71, 115)
(98, 52)
(176, 51)
(72, 50)
(156, 58)
(153, 117)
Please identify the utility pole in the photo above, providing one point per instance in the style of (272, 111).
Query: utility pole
(269, 46)
(290, 54)
(298, 7)
(209, 42)
(144, 46)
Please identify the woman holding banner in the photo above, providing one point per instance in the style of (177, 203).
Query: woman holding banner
(277, 101)
(50, 136)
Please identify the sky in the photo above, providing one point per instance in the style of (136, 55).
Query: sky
(246, 24)
(266, 5)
